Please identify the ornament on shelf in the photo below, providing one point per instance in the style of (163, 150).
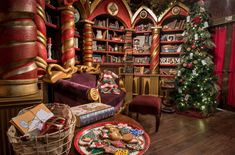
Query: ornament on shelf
(99, 34)
(49, 45)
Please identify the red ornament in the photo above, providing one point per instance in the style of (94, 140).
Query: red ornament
(193, 46)
(196, 19)
(190, 65)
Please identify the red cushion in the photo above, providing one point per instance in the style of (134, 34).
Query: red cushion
(148, 101)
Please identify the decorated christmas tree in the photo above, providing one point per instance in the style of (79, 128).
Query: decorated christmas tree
(195, 81)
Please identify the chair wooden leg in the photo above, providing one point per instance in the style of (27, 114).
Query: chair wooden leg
(157, 122)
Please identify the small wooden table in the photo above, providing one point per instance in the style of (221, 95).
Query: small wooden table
(118, 118)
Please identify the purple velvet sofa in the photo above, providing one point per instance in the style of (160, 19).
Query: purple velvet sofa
(73, 91)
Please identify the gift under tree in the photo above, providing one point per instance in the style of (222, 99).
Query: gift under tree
(195, 80)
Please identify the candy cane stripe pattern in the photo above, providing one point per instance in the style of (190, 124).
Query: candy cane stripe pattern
(68, 51)
(155, 49)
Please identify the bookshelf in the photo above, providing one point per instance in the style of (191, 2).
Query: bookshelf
(108, 41)
(142, 38)
(53, 33)
(172, 36)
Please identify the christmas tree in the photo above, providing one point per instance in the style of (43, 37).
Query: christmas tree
(195, 80)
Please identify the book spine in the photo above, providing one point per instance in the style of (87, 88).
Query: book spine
(96, 116)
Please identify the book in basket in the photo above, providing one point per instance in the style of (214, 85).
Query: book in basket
(92, 112)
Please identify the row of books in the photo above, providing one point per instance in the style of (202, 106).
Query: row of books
(109, 58)
(175, 25)
(144, 27)
(104, 23)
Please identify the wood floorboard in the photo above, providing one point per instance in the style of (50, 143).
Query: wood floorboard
(184, 135)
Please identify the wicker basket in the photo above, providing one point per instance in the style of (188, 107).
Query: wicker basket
(56, 143)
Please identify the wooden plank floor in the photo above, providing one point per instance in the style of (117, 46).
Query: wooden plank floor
(183, 135)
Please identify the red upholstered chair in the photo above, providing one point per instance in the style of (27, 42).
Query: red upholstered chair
(144, 104)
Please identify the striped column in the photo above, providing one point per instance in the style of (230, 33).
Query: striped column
(155, 50)
(40, 20)
(68, 51)
(87, 43)
(18, 48)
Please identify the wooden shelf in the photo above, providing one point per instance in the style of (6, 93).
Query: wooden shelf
(164, 75)
(51, 7)
(100, 52)
(115, 41)
(110, 64)
(170, 53)
(96, 39)
(116, 53)
(142, 32)
(173, 30)
(141, 64)
(168, 65)
(111, 41)
(107, 28)
(172, 42)
(141, 54)
(50, 25)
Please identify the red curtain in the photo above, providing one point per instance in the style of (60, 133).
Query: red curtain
(231, 82)
(219, 38)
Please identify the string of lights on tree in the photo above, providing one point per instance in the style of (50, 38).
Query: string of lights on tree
(195, 81)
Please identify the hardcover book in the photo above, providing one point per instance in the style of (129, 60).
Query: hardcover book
(92, 112)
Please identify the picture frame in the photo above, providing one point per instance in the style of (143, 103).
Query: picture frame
(170, 37)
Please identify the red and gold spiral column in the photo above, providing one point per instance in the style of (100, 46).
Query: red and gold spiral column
(18, 48)
(87, 43)
(155, 49)
(40, 20)
(67, 21)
